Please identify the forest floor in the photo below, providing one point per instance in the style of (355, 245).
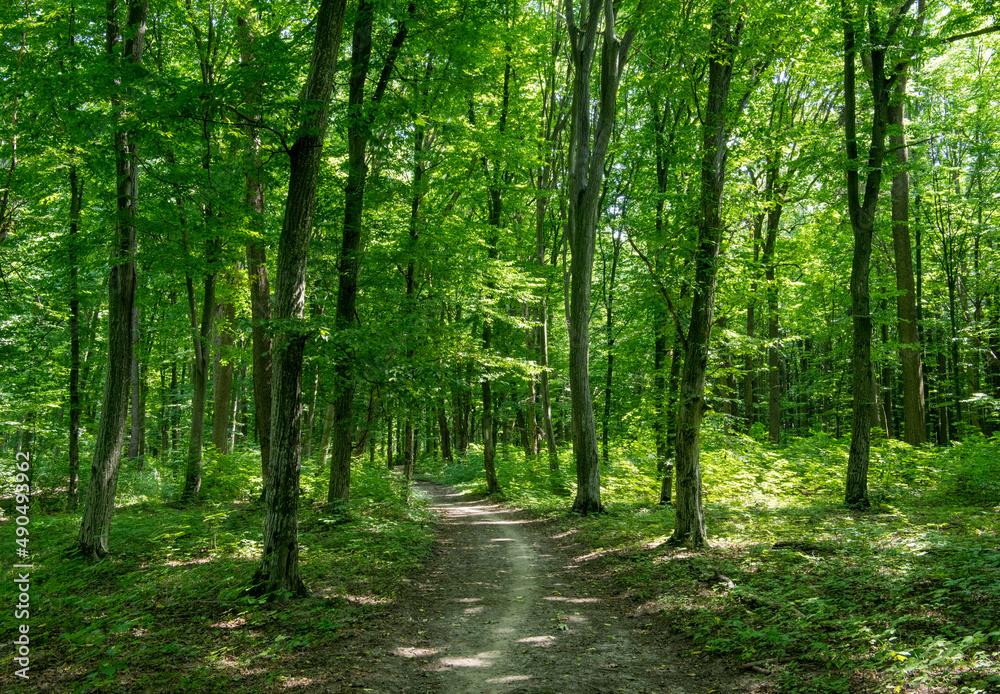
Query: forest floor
(434, 588)
(508, 604)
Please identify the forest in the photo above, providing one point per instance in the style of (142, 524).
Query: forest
(710, 285)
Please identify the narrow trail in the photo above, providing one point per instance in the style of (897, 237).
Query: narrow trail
(505, 607)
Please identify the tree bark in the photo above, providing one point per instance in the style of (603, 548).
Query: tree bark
(135, 433)
(75, 406)
(358, 134)
(389, 437)
(586, 175)
(690, 517)
(201, 335)
(775, 207)
(409, 452)
(278, 576)
(324, 444)
(543, 362)
(750, 375)
(223, 370)
(610, 337)
(911, 361)
(256, 254)
(446, 453)
(93, 539)
(862, 217)
(310, 414)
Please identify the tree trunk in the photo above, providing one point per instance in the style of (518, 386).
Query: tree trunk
(690, 517)
(75, 407)
(95, 527)
(222, 382)
(409, 453)
(324, 444)
(135, 434)
(445, 434)
(750, 376)
(256, 254)
(586, 175)
(911, 362)
(862, 215)
(775, 207)
(543, 362)
(278, 574)
(389, 437)
(199, 376)
(310, 413)
(610, 336)
(358, 134)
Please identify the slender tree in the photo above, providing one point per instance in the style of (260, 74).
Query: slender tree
(359, 131)
(93, 539)
(727, 28)
(278, 574)
(588, 151)
(881, 36)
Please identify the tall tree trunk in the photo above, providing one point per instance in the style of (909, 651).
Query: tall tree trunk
(886, 398)
(310, 424)
(75, 407)
(324, 444)
(531, 418)
(773, 355)
(95, 527)
(278, 574)
(663, 455)
(750, 376)
(358, 134)
(494, 204)
(256, 254)
(201, 336)
(862, 216)
(489, 443)
(389, 437)
(911, 362)
(610, 337)
(135, 434)
(223, 371)
(409, 452)
(543, 362)
(446, 453)
(586, 175)
(690, 517)
(174, 407)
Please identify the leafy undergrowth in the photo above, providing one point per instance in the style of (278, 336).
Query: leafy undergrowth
(166, 611)
(902, 597)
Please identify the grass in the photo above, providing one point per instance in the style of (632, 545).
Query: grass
(826, 598)
(901, 597)
(170, 596)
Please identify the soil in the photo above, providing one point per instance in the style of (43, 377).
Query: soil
(508, 605)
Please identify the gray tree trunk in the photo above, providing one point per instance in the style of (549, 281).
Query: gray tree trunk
(586, 174)
(260, 291)
(862, 216)
(75, 406)
(912, 367)
(135, 433)
(223, 371)
(690, 516)
(278, 575)
(358, 134)
(93, 538)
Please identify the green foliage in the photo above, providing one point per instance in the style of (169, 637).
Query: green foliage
(174, 590)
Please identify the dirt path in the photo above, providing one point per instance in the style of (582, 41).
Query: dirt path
(504, 607)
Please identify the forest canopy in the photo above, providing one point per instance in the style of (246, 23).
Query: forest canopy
(319, 231)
